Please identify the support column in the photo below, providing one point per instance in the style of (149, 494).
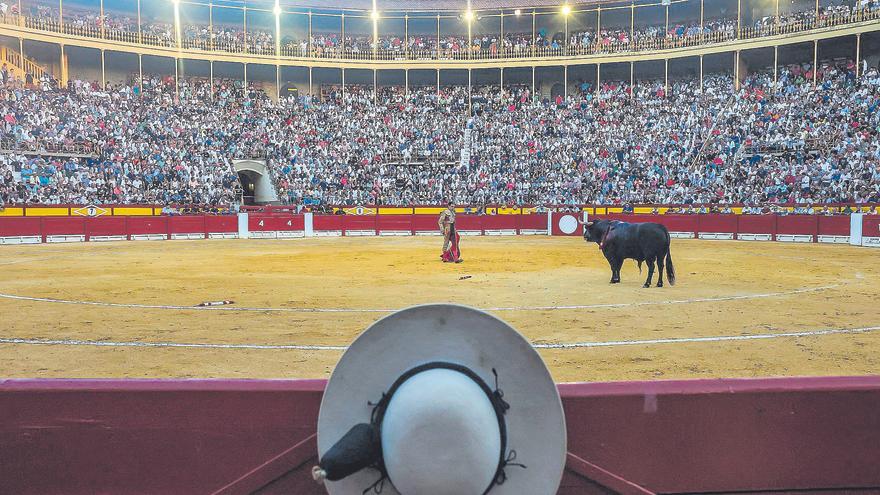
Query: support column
(533, 83)
(775, 65)
(375, 86)
(701, 74)
(858, 54)
(103, 23)
(60, 16)
(246, 50)
(63, 77)
(632, 25)
(598, 79)
(278, 82)
(406, 81)
(311, 92)
(501, 41)
(566, 42)
(245, 77)
(702, 9)
(343, 79)
(211, 25)
(736, 70)
(666, 33)
(739, 19)
(534, 46)
(438, 49)
(470, 89)
(343, 47)
(631, 80)
(469, 47)
(311, 51)
(211, 78)
(776, 21)
(103, 72)
(666, 77)
(501, 80)
(565, 81)
(141, 74)
(176, 77)
(406, 40)
(438, 81)
(815, 59)
(140, 31)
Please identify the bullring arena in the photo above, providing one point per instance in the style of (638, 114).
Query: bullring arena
(740, 309)
(363, 246)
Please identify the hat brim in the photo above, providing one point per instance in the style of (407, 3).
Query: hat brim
(465, 336)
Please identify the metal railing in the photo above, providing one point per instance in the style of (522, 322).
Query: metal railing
(357, 50)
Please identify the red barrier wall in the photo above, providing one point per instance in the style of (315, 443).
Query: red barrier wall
(273, 223)
(534, 221)
(187, 225)
(717, 224)
(107, 226)
(284, 221)
(797, 225)
(147, 225)
(257, 436)
(328, 222)
(500, 222)
(426, 223)
(837, 225)
(757, 224)
(64, 226)
(674, 223)
(20, 226)
(222, 224)
(871, 226)
(395, 223)
(467, 222)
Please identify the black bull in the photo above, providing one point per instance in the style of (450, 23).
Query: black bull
(647, 242)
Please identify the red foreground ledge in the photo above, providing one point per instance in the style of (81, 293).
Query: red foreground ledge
(247, 436)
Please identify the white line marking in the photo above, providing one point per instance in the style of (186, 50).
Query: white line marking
(377, 310)
(574, 345)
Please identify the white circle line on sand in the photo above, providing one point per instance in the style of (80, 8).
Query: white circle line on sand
(573, 345)
(378, 310)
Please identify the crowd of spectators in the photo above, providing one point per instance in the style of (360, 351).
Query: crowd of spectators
(610, 38)
(161, 142)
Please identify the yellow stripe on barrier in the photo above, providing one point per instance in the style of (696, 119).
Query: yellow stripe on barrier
(614, 210)
(12, 212)
(394, 211)
(434, 211)
(47, 212)
(134, 212)
(507, 211)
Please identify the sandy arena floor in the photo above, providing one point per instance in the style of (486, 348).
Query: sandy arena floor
(727, 293)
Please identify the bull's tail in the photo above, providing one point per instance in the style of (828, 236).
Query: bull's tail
(670, 269)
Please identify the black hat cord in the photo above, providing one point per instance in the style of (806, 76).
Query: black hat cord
(361, 446)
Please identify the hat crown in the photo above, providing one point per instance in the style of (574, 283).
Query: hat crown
(440, 435)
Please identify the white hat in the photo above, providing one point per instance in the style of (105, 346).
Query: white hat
(415, 406)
